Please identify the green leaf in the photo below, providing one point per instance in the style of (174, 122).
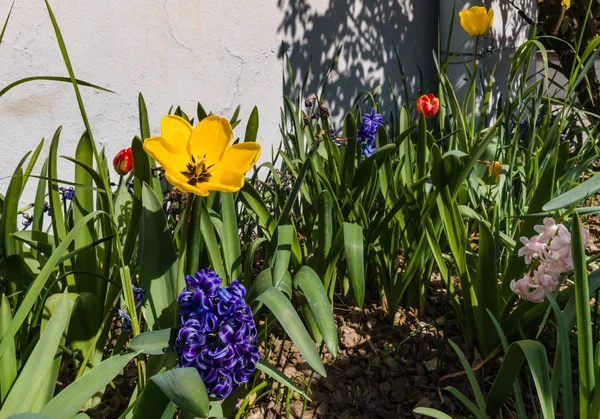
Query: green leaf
(249, 262)
(312, 287)
(271, 371)
(487, 288)
(562, 361)
(38, 240)
(51, 78)
(58, 223)
(9, 246)
(82, 205)
(210, 240)
(470, 375)
(86, 320)
(36, 287)
(231, 239)
(40, 199)
(70, 400)
(252, 126)
(431, 413)
(143, 116)
(293, 196)
(283, 310)
(253, 200)
(575, 195)
(325, 225)
(158, 267)
(285, 234)
(8, 362)
(585, 345)
(32, 378)
(354, 251)
(264, 280)
(535, 354)
(6, 21)
(184, 387)
(154, 343)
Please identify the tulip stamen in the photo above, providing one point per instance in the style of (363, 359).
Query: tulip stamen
(197, 172)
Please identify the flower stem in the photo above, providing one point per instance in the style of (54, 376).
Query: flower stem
(474, 89)
(183, 243)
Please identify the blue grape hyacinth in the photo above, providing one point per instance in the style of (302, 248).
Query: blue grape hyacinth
(218, 333)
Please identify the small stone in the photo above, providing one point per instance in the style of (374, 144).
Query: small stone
(322, 409)
(296, 408)
(318, 396)
(382, 413)
(431, 365)
(399, 389)
(290, 371)
(343, 362)
(391, 363)
(257, 414)
(385, 388)
(349, 338)
(353, 371)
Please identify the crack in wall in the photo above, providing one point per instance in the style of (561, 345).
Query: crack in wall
(177, 41)
(238, 79)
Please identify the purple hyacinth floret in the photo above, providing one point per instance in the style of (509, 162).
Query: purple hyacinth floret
(372, 121)
(138, 295)
(367, 132)
(67, 193)
(218, 335)
(125, 320)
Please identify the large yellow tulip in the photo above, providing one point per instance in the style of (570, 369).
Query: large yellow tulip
(477, 20)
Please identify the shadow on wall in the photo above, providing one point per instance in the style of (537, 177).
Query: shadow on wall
(509, 32)
(369, 32)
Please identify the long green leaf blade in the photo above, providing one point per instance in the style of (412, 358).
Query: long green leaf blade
(287, 316)
(312, 287)
(70, 400)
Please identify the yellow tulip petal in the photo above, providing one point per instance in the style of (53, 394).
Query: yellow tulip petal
(176, 131)
(466, 22)
(225, 181)
(171, 159)
(180, 182)
(490, 20)
(210, 138)
(240, 157)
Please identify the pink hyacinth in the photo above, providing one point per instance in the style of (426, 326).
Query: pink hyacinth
(544, 279)
(551, 252)
(531, 249)
(527, 290)
(547, 231)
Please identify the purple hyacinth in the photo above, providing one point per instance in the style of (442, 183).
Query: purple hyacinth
(367, 132)
(126, 320)
(372, 121)
(67, 193)
(138, 295)
(369, 147)
(218, 333)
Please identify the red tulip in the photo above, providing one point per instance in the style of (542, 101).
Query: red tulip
(429, 105)
(123, 162)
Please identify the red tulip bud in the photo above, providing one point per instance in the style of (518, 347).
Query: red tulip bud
(429, 105)
(123, 162)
